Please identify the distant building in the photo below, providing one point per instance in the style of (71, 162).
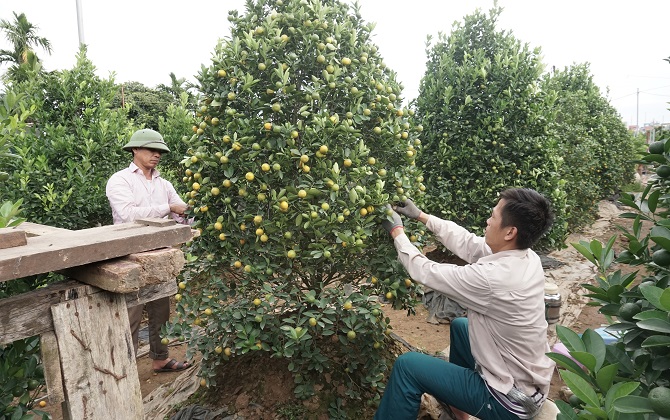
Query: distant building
(650, 130)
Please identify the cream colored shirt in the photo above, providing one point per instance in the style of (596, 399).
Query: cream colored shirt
(132, 196)
(504, 297)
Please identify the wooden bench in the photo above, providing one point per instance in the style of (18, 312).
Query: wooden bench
(86, 344)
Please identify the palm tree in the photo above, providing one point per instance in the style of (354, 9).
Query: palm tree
(22, 35)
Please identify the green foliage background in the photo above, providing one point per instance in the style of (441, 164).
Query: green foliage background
(620, 380)
(598, 149)
(491, 122)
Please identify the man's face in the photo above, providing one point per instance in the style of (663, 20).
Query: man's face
(495, 233)
(146, 158)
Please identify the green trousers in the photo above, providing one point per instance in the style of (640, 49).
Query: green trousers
(455, 383)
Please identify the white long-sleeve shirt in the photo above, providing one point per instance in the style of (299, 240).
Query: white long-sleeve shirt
(504, 297)
(132, 196)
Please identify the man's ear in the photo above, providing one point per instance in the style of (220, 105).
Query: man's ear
(510, 233)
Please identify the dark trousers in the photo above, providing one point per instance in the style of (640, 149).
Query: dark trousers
(159, 313)
(455, 382)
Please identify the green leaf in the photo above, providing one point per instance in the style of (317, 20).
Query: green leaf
(653, 200)
(656, 341)
(660, 235)
(581, 388)
(567, 412)
(605, 377)
(586, 252)
(568, 364)
(664, 300)
(633, 404)
(596, 249)
(653, 295)
(587, 359)
(599, 412)
(570, 339)
(619, 390)
(654, 324)
(651, 314)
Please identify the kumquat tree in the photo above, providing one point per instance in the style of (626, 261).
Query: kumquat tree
(302, 140)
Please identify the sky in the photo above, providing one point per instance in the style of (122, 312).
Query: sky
(625, 43)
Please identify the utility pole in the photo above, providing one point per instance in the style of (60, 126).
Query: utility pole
(637, 115)
(80, 23)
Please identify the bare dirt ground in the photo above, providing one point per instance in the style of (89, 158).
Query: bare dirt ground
(165, 389)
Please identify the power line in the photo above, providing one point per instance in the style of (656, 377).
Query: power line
(661, 87)
(656, 94)
(642, 91)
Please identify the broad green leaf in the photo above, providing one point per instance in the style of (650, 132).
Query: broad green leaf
(653, 324)
(653, 200)
(596, 249)
(581, 388)
(614, 293)
(607, 256)
(619, 390)
(566, 411)
(660, 235)
(605, 377)
(587, 359)
(661, 364)
(570, 339)
(651, 314)
(586, 252)
(664, 300)
(657, 341)
(568, 364)
(599, 412)
(621, 357)
(633, 404)
(595, 345)
(652, 294)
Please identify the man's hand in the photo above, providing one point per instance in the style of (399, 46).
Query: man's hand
(178, 208)
(394, 223)
(408, 208)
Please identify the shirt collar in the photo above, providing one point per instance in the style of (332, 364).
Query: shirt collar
(135, 168)
(516, 253)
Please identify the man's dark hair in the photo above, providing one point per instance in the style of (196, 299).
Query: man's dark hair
(529, 211)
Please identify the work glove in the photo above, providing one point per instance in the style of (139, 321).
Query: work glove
(408, 209)
(395, 221)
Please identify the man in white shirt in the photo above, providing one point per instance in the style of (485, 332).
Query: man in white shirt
(136, 192)
(497, 365)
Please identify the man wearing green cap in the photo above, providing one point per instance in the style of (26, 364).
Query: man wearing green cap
(137, 192)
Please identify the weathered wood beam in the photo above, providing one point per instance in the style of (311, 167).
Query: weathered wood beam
(53, 374)
(35, 229)
(96, 348)
(10, 238)
(29, 314)
(53, 252)
(130, 273)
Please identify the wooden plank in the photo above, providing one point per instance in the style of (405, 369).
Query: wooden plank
(10, 238)
(129, 273)
(119, 275)
(52, 371)
(159, 265)
(73, 248)
(96, 351)
(35, 229)
(151, 292)
(155, 221)
(29, 314)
